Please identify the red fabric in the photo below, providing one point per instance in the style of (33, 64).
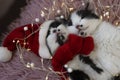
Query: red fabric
(19, 34)
(74, 45)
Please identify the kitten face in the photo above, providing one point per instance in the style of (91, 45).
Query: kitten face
(62, 32)
(85, 21)
(56, 36)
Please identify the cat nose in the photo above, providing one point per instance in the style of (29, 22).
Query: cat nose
(82, 33)
(78, 26)
(54, 31)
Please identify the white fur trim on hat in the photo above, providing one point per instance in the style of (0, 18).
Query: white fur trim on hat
(43, 49)
(5, 54)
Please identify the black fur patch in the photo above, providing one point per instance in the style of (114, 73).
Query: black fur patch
(60, 39)
(78, 75)
(54, 24)
(12, 14)
(69, 23)
(87, 60)
(87, 14)
(116, 77)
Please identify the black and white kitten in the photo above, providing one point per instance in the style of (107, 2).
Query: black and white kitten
(107, 47)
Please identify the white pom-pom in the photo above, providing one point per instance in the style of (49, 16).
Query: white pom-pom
(5, 54)
(69, 70)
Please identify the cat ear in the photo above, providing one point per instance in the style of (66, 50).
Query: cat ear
(90, 7)
(62, 20)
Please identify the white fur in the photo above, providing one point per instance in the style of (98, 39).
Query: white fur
(43, 50)
(51, 40)
(106, 53)
(64, 31)
(75, 18)
(5, 54)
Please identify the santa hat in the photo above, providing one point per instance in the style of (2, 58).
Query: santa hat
(35, 42)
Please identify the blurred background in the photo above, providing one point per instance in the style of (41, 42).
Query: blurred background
(9, 11)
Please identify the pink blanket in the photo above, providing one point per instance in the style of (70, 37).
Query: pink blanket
(15, 69)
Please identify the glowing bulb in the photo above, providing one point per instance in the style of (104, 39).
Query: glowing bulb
(24, 43)
(107, 6)
(58, 11)
(71, 9)
(101, 17)
(37, 19)
(13, 41)
(46, 78)
(83, 3)
(66, 66)
(45, 8)
(18, 41)
(25, 28)
(106, 14)
(62, 17)
(28, 65)
(108, 17)
(42, 14)
(28, 49)
(63, 4)
(117, 23)
(32, 65)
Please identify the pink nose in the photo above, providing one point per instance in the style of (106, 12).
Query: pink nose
(54, 31)
(79, 27)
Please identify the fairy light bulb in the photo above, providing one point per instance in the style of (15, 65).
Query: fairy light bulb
(46, 78)
(62, 17)
(13, 41)
(32, 65)
(107, 7)
(25, 28)
(106, 14)
(45, 8)
(42, 14)
(83, 4)
(28, 65)
(101, 17)
(58, 11)
(71, 9)
(37, 20)
(18, 41)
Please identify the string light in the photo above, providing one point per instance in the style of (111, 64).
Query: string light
(25, 28)
(71, 9)
(58, 11)
(37, 19)
(42, 14)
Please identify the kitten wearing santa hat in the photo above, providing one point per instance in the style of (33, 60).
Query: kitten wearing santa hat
(38, 38)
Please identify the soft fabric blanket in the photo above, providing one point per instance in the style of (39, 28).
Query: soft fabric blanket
(15, 69)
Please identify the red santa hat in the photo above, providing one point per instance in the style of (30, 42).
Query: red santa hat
(35, 42)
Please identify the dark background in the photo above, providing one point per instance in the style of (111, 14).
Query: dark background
(12, 12)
